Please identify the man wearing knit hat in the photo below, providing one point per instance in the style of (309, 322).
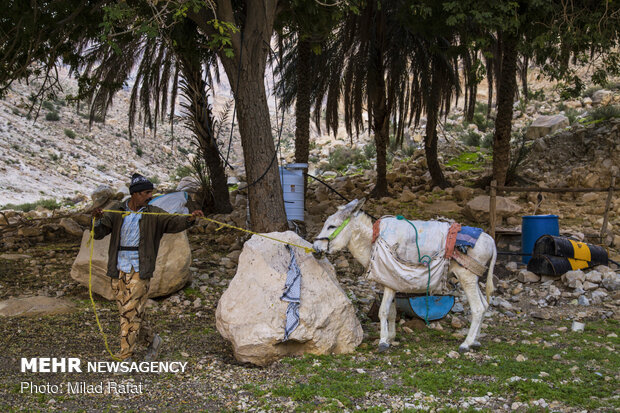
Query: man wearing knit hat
(131, 259)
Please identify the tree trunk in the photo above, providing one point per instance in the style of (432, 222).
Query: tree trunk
(523, 73)
(202, 126)
(302, 105)
(430, 140)
(505, 100)
(246, 75)
(380, 126)
(248, 66)
(381, 129)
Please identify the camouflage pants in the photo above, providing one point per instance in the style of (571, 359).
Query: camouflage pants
(131, 294)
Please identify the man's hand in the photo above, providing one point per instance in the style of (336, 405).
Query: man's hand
(97, 213)
(196, 213)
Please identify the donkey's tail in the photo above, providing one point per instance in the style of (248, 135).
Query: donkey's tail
(490, 286)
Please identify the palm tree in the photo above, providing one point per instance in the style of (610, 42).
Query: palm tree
(162, 65)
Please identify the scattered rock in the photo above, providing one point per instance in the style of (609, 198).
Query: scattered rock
(545, 125)
(583, 300)
(526, 276)
(35, 306)
(478, 208)
(71, 227)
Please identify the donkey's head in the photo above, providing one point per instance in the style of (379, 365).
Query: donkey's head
(336, 231)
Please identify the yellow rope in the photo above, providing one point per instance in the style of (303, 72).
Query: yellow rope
(124, 214)
(90, 288)
(221, 224)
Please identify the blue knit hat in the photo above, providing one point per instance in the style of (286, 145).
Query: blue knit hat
(139, 183)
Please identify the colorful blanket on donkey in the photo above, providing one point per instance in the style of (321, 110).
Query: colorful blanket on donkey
(467, 237)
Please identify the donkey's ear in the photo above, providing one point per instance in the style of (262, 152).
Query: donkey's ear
(358, 207)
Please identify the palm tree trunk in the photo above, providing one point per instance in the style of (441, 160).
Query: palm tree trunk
(505, 101)
(430, 140)
(380, 126)
(202, 126)
(302, 105)
(523, 73)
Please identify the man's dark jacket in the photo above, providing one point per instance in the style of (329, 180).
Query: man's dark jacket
(152, 228)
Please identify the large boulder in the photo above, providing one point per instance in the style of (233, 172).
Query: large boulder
(251, 315)
(546, 125)
(71, 227)
(478, 208)
(602, 97)
(171, 268)
(35, 306)
(101, 195)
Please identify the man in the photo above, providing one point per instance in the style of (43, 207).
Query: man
(131, 259)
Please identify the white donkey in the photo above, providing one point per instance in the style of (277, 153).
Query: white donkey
(351, 228)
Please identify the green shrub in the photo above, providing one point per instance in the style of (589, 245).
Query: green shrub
(408, 150)
(183, 171)
(370, 150)
(590, 91)
(155, 180)
(536, 94)
(604, 113)
(572, 114)
(48, 105)
(487, 140)
(50, 204)
(70, 134)
(139, 151)
(341, 157)
(471, 139)
(53, 116)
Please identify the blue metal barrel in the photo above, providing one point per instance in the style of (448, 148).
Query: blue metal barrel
(293, 181)
(534, 227)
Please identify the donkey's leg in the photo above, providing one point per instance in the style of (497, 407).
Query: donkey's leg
(469, 282)
(384, 311)
(392, 322)
(476, 344)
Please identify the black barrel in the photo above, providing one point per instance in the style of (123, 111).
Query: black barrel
(552, 265)
(552, 245)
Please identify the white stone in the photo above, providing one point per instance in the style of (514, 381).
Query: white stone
(526, 276)
(171, 268)
(545, 125)
(71, 227)
(601, 97)
(570, 278)
(478, 208)
(594, 277)
(35, 306)
(589, 286)
(251, 315)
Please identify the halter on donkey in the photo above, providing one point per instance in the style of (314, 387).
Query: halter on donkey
(351, 228)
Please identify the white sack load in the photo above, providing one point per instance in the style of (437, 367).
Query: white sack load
(394, 261)
(252, 316)
(171, 268)
(173, 259)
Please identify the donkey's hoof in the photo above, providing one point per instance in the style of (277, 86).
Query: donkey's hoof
(463, 348)
(383, 347)
(475, 345)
